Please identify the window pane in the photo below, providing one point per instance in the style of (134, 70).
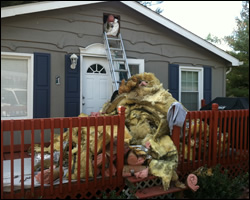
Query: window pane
(99, 67)
(189, 76)
(195, 86)
(190, 100)
(189, 86)
(195, 76)
(14, 77)
(134, 69)
(93, 67)
(122, 75)
(183, 86)
(183, 76)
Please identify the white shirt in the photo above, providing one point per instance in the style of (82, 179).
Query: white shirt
(112, 28)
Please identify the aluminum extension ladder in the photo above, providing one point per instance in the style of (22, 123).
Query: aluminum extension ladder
(117, 58)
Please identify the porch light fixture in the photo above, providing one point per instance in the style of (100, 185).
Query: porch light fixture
(73, 59)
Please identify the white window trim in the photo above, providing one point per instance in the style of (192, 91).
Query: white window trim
(200, 81)
(30, 81)
(139, 62)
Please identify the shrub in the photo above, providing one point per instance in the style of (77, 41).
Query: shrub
(219, 185)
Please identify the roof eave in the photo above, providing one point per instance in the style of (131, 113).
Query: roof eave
(11, 11)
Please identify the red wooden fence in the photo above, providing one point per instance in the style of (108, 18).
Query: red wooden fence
(212, 137)
(206, 138)
(89, 188)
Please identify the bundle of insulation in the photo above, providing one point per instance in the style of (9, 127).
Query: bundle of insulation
(147, 104)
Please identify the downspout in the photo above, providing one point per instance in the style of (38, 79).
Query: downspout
(227, 72)
(230, 69)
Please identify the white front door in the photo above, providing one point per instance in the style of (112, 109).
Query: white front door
(96, 84)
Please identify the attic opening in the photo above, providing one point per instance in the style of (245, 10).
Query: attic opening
(106, 24)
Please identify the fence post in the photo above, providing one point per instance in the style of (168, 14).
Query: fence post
(120, 143)
(215, 117)
(176, 136)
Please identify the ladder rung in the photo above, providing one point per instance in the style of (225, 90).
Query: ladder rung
(121, 70)
(115, 39)
(117, 81)
(118, 59)
(115, 49)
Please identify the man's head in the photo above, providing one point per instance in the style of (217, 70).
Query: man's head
(111, 18)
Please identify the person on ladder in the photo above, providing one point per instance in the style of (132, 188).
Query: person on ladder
(111, 26)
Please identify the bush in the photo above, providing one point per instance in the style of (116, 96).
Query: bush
(219, 185)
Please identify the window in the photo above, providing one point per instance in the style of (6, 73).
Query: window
(191, 87)
(97, 69)
(105, 18)
(16, 86)
(136, 66)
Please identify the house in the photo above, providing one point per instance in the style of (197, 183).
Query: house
(37, 40)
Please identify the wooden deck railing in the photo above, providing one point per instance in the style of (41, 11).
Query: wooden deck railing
(206, 138)
(88, 188)
(213, 137)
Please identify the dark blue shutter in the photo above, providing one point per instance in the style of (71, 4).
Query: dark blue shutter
(72, 88)
(41, 105)
(207, 84)
(173, 80)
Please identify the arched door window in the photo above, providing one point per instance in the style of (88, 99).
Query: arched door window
(96, 69)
